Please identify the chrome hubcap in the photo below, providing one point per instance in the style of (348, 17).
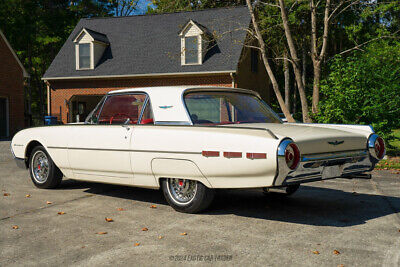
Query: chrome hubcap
(40, 167)
(182, 190)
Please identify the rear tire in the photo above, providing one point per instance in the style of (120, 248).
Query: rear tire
(44, 173)
(188, 196)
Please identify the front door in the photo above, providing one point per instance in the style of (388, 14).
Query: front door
(3, 118)
(100, 151)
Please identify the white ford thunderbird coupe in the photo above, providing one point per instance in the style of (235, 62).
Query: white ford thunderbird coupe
(192, 140)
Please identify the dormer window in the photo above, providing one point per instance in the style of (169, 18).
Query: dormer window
(89, 48)
(84, 56)
(193, 39)
(192, 50)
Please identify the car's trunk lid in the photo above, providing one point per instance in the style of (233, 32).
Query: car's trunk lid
(313, 140)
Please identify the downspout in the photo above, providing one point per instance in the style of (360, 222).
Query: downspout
(48, 98)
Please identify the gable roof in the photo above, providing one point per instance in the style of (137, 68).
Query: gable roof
(99, 37)
(25, 73)
(150, 44)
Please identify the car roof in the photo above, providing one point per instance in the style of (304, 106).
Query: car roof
(167, 101)
(178, 89)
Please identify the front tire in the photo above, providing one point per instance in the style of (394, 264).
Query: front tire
(188, 196)
(44, 173)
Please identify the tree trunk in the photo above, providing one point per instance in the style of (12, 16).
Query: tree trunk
(295, 62)
(271, 75)
(287, 82)
(317, 78)
(294, 98)
(304, 70)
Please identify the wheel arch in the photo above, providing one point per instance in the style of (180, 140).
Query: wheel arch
(28, 151)
(164, 168)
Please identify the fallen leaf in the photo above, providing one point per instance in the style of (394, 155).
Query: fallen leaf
(153, 206)
(137, 244)
(316, 252)
(61, 213)
(109, 219)
(49, 202)
(340, 265)
(336, 252)
(120, 209)
(101, 233)
(6, 194)
(160, 237)
(15, 227)
(144, 229)
(184, 233)
(83, 246)
(399, 230)
(27, 195)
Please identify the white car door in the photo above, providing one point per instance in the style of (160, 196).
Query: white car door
(100, 151)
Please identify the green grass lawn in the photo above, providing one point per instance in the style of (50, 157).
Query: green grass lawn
(393, 154)
(395, 145)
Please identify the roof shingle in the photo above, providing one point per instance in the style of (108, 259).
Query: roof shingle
(150, 44)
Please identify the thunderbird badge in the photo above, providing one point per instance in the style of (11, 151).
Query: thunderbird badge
(336, 142)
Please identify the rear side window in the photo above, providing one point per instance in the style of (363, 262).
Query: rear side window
(122, 109)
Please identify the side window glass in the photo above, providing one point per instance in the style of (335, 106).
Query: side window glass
(147, 117)
(94, 114)
(122, 109)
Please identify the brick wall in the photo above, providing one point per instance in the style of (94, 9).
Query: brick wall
(62, 91)
(11, 87)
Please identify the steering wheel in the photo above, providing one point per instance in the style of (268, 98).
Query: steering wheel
(119, 115)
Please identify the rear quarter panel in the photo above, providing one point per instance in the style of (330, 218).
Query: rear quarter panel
(188, 142)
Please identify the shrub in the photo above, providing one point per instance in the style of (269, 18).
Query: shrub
(364, 88)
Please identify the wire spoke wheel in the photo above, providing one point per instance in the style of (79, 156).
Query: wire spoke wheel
(182, 191)
(40, 167)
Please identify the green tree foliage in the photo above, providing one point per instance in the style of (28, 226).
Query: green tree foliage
(364, 88)
(37, 29)
(163, 6)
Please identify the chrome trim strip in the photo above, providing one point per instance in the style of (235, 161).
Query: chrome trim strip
(172, 123)
(143, 108)
(334, 156)
(126, 150)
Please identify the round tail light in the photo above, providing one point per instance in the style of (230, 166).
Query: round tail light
(292, 156)
(380, 147)
(289, 152)
(376, 146)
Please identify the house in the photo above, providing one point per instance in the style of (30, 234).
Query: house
(12, 79)
(183, 48)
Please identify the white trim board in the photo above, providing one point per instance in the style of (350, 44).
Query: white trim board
(141, 75)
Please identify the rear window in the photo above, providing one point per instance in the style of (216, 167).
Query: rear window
(217, 108)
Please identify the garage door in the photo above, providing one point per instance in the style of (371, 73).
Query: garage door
(3, 117)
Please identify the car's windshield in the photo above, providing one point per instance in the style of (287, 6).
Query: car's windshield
(217, 108)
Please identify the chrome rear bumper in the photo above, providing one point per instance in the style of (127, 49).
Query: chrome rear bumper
(325, 166)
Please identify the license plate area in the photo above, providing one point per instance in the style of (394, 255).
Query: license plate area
(331, 172)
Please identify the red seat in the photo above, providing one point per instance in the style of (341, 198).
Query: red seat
(147, 121)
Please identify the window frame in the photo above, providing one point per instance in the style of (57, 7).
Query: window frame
(79, 56)
(146, 100)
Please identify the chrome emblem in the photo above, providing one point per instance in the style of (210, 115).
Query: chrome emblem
(165, 107)
(336, 142)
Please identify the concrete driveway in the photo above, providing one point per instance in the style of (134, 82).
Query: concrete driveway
(358, 218)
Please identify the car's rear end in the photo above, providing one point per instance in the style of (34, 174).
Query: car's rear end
(337, 153)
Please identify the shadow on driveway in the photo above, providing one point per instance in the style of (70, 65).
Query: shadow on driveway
(309, 206)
